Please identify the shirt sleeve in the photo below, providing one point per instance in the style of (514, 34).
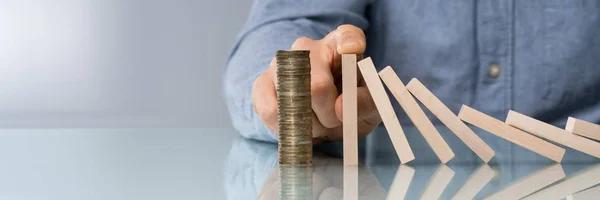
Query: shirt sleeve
(274, 25)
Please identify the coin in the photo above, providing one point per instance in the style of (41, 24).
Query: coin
(294, 112)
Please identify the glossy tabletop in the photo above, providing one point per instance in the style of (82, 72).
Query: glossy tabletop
(218, 164)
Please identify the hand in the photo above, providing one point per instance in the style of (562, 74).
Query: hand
(325, 60)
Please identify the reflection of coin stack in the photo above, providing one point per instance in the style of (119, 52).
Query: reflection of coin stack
(294, 107)
(296, 182)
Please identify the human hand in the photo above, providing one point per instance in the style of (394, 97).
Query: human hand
(325, 60)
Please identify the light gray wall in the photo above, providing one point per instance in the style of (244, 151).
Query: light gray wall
(115, 63)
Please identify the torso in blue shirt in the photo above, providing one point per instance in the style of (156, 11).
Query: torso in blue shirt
(547, 52)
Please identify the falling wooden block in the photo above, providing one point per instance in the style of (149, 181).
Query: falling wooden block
(437, 183)
(349, 109)
(481, 177)
(401, 183)
(553, 133)
(446, 116)
(384, 106)
(581, 181)
(530, 183)
(416, 115)
(511, 134)
(583, 128)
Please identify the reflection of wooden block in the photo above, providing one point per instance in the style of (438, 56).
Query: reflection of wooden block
(583, 128)
(401, 182)
(418, 117)
(481, 177)
(583, 180)
(442, 112)
(384, 106)
(553, 133)
(592, 193)
(511, 134)
(437, 183)
(350, 186)
(530, 183)
(349, 109)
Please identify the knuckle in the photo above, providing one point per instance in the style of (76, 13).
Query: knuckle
(349, 28)
(268, 113)
(301, 43)
(320, 86)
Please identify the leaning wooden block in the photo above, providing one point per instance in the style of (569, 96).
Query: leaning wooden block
(583, 128)
(581, 181)
(511, 134)
(418, 117)
(530, 183)
(349, 109)
(553, 133)
(384, 106)
(458, 127)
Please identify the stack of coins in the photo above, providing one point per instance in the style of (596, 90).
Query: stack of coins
(296, 182)
(294, 107)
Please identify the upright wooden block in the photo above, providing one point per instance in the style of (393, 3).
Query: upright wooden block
(481, 177)
(553, 133)
(437, 183)
(511, 134)
(442, 112)
(416, 115)
(583, 128)
(384, 106)
(349, 109)
(530, 183)
(583, 180)
(401, 183)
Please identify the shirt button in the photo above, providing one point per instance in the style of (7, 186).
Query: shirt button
(494, 70)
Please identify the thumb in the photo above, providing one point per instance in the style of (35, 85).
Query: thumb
(346, 39)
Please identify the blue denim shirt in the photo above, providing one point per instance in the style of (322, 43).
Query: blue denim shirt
(548, 53)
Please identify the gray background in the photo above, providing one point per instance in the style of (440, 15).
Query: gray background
(115, 63)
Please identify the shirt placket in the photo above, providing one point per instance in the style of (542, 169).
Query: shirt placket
(494, 30)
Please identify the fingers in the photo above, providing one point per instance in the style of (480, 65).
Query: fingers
(264, 99)
(364, 104)
(323, 90)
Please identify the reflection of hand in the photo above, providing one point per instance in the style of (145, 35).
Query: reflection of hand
(327, 181)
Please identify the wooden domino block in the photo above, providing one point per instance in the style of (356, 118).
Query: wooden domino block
(530, 184)
(581, 181)
(481, 177)
(446, 116)
(511, 134)
(416, 115)
(384, 106)
(553, 133)
(349, 109)
(583, 128)
(401, 183)
(437, 183)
